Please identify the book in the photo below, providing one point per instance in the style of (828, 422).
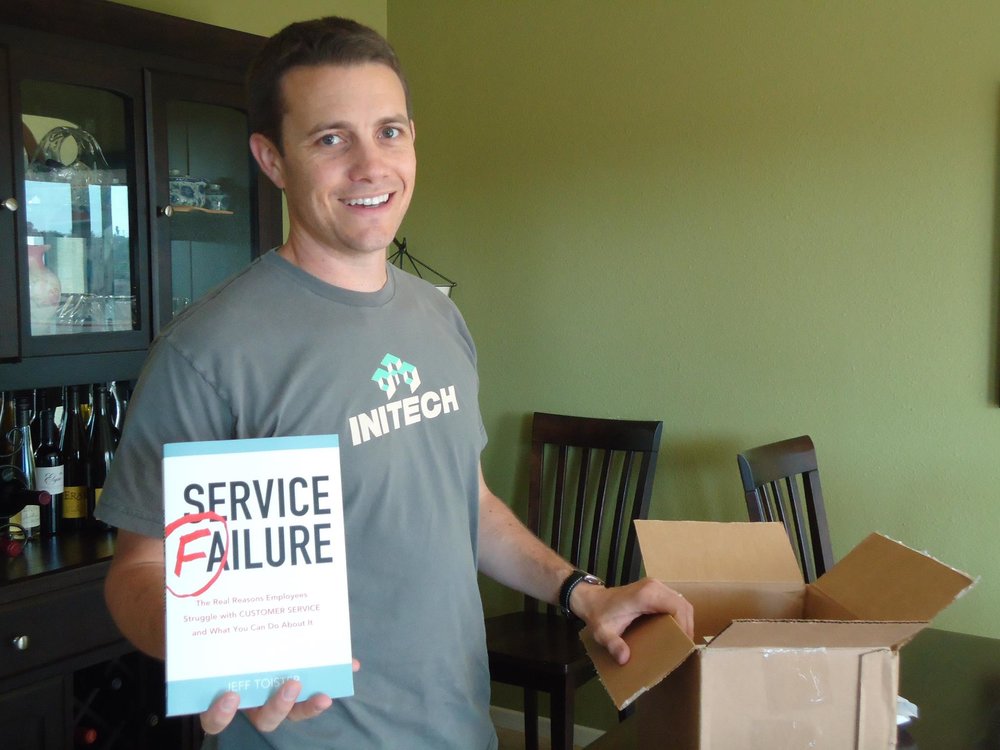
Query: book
(256, 572)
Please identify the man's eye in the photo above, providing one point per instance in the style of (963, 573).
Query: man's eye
(391, 131)
(330, 139)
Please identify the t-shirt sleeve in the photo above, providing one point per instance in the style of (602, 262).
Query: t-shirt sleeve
(172, 403)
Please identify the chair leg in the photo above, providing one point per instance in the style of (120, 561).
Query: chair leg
(530, 719)
(561, 711)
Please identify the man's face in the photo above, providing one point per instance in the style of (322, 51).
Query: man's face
(348, 165)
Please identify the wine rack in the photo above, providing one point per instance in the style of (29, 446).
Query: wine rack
(118, 705)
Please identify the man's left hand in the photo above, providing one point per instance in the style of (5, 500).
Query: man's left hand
(609, 611)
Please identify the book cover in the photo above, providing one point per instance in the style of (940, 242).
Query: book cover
(256, 574)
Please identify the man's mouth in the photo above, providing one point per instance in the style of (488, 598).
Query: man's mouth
(376, 200)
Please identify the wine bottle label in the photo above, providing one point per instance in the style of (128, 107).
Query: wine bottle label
(74, 502)
(31, 517)
(97, 495)
(50, 479)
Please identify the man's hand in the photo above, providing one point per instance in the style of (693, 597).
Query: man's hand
(609, 611)
(279, 707)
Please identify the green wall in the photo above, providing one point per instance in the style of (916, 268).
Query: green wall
(265, 17)
(750, 220)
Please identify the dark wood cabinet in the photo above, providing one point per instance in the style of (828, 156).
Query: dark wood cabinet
(64, 668)
(104, 111)
(54, 619)
(33, 716)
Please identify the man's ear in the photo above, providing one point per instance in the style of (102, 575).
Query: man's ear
(268, 158)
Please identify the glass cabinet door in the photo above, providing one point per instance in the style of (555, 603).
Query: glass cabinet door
(9, 336)
(80, 268)
(205, 187)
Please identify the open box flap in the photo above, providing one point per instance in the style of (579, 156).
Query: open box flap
(882, 579)
(819, 606)
(658, 646)
(716, 604)
(815, 634)
(691, 551)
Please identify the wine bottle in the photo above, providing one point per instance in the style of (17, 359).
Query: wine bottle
(49, 472)
(8, 423)
(15, 492)
(86, 405)
(39, 404)
(50, 399)
(113, 405)
(75, 453)
(60, 412)
(103, 443)
(122, 392)
(31, 515)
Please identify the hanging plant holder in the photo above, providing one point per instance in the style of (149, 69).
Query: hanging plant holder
(402, 258)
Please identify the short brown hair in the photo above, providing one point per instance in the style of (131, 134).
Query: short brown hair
(323, 41)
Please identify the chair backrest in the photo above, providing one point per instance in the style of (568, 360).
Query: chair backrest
(590, 478)
(781, 483)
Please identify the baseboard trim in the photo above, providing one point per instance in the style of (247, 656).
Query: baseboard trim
(510, 719)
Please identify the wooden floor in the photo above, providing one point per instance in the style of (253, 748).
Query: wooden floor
(513, 740)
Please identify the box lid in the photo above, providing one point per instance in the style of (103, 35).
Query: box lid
(815, 634)
(882, 579)
(658, 646)
(726, 570)
(710, 551)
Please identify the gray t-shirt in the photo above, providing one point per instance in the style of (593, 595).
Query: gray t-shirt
(274, 352)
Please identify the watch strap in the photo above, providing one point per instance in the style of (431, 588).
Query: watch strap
(573, 580)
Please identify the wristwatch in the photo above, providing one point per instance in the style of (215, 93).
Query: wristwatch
(573, 580)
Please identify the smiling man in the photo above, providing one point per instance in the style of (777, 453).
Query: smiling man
(319, 336)
(346, 162)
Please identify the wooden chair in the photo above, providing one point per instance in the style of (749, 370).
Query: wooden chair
(781, 483)
(589, 480)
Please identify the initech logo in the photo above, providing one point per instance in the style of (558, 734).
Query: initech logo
(403, 412)
(393, 370)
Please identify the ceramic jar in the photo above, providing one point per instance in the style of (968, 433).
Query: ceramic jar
(186, 190)
(44, 289)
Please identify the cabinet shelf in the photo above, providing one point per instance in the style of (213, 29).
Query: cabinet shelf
(198, 209)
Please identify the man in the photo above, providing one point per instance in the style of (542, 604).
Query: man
(288, 347)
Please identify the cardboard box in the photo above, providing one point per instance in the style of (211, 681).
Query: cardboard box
(782, 663)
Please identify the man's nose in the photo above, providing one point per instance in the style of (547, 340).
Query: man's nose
(368, 161)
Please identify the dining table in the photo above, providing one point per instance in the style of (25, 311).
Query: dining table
(953, 679)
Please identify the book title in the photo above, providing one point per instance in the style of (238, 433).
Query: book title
(221, 530)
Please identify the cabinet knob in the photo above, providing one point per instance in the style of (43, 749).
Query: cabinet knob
(10, 204)
(21, 642)
(167, 211)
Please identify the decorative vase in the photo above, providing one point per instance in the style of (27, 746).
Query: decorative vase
(44, 289)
